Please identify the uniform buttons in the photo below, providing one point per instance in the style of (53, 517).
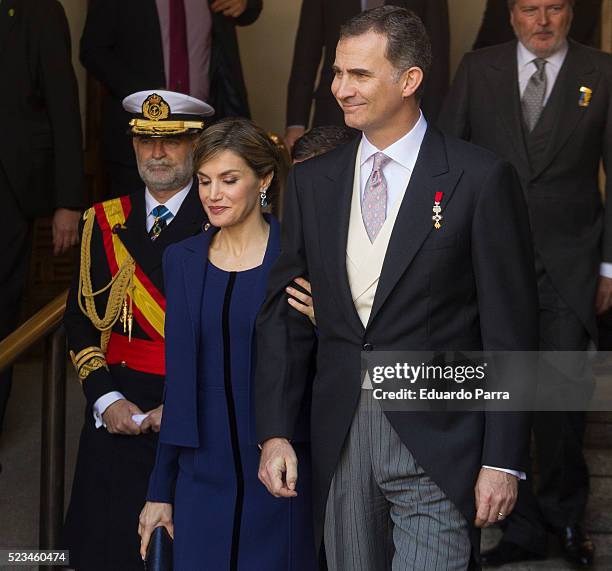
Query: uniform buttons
(368, 347)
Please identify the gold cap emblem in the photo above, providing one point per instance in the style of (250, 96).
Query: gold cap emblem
(155, 108)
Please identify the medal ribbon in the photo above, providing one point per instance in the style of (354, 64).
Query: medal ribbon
(149, 305)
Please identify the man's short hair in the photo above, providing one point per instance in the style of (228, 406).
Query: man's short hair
(511, 3)
(320, 140)
(408, 44)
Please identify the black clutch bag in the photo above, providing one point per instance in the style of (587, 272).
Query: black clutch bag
(159, 551)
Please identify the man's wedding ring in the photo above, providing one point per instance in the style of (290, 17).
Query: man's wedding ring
(500, 516)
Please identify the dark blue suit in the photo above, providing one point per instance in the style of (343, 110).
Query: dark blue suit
(207, 458)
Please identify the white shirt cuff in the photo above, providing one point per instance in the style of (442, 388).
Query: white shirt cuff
(605, 270)
(519, 475)
(102, 404)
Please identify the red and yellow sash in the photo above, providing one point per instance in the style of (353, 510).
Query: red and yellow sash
(149, 305)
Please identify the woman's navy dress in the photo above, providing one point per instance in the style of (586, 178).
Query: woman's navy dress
(224, 518)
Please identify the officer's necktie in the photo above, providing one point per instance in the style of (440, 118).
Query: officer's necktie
(533, 97)
(179, 52)
(374, 204)
(161, 215)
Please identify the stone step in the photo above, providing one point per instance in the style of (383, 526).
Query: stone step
(603, 554)
(598, 435)
(601, 488)
(599, 462)
(598, 518)
(603, 544)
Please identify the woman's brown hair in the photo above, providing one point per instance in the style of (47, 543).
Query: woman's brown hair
(248, 141)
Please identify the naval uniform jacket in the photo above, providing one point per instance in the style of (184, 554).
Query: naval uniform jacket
(112, 470)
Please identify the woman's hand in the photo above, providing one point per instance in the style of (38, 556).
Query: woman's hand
(154, 514)
(305, 304)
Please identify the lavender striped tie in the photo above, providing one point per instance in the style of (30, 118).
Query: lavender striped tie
(374, 204)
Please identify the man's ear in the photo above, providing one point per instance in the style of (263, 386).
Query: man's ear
(411, 80)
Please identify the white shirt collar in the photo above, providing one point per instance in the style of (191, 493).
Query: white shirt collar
(404, 151)
(173, 204)
(525, 57)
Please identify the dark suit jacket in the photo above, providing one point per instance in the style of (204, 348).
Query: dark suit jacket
(317, 35)
(121, 46)
(41, 143)
(571, 232)
(496, 29)
(450, 288)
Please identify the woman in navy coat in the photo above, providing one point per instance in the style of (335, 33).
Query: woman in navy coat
(204, 487)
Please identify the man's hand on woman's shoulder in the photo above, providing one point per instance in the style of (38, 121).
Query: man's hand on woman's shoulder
(300, 300)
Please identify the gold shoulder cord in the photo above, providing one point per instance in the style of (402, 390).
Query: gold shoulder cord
(119, 285)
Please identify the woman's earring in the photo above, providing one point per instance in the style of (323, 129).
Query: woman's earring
(264, 197)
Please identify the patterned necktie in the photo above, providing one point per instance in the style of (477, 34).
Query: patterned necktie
(179, 53)
(374, 204)
(533, 97)
(161, 215)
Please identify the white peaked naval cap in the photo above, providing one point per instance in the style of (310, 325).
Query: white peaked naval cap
(160, 113)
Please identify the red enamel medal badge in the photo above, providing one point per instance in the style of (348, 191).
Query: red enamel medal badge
(437, 209)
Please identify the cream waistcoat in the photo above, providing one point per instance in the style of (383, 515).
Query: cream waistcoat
(364, 259)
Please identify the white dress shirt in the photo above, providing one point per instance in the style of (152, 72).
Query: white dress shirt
(173, 205)
(199, 43)
(526, 68)
(397, 172)
(403, 154)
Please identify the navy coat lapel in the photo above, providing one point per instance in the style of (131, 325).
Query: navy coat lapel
(194, 274)
(577, 71)
(194, 263)
(333, 195)
(502, 77)
(413, 224)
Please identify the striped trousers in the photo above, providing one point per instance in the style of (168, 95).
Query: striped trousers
(383, 512)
